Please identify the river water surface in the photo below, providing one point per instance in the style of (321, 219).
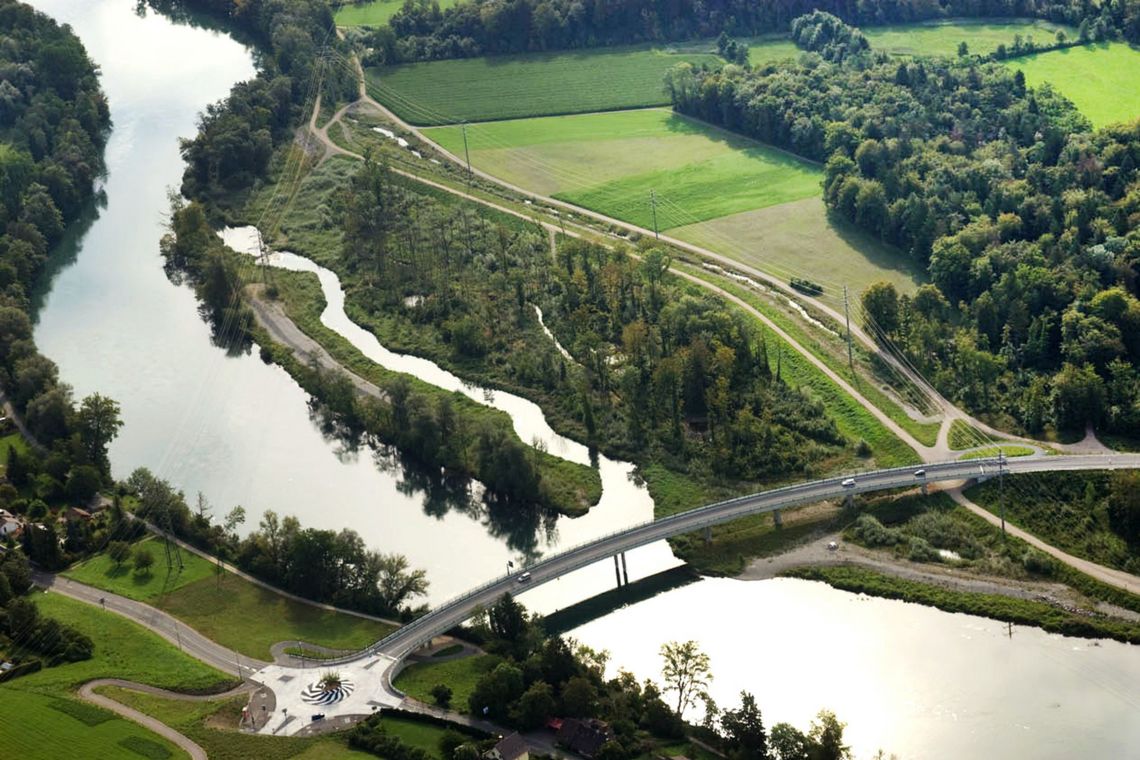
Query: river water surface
(910, 679)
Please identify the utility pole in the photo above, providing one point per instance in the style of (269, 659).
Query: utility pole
(653, 204)
(847, 314)
(1001, 488)
(467, 154)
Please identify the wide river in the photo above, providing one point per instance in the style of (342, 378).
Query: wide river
(918, 682)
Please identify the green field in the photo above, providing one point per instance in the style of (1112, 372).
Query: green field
(611, 162)
(1102, 80)
(541, 84)
(42, 718)
(235, 613)
(101, 572)
(375, 13)
(461, 675)
(800, 239)
(942, 37)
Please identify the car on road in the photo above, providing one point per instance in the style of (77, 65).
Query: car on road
(524, 578)
(832, 546)
(849, 483)
(920, 473)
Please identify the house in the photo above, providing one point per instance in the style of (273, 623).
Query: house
(77, 513)
(512, 747)
(585, 737)
(10, 526)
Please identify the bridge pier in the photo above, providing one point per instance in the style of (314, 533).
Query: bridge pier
(925, 489)
(617, 571)
(624, 569)
(849, 501)
(777, 520)
(708, 534)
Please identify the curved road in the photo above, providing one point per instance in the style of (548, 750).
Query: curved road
(399, 644)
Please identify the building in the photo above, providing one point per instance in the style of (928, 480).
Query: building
(511, 747)
(10, 526)
(584, 737)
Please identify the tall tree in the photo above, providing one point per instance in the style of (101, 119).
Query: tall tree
(686, 672)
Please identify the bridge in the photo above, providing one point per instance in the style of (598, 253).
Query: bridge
(389, 652)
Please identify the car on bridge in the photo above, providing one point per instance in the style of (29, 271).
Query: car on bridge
(524, 578)
(920, 473)
(849, 483)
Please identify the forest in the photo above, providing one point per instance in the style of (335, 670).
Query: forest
(652, 370)
(237, 136)
(53, 123)
(421, 31)
(1025, 219)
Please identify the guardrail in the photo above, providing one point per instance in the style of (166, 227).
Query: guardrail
(422, 629)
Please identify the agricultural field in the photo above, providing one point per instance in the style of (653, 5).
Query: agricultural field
(943, 37)
(612, 162)
(44, 720)
(375, 13)
(542, 84)
(800, 239)
(1102, 80)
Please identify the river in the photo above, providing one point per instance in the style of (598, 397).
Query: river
(913, 680)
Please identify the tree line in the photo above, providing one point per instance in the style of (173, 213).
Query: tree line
(321, 565)
(422, 31)
(53, 122)
(301, 56)
(1024, 218)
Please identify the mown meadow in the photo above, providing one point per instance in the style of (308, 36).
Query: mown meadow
(542, 84)
(1102, 80)
(375, 13)
(982, 36)
(612, 162)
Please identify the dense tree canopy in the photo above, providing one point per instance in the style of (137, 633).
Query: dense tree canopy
(1025, 219)
(478, 27)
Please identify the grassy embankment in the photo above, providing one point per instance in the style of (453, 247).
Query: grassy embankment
(543, 84)
(235, 613)
(43, 717)
(1102, 80)
(982, 36)
(914, 528)
(213, 726)
(1067, 510)
(461, 675)
(375, 13)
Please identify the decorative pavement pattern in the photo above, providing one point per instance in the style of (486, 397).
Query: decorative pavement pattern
(316, 694)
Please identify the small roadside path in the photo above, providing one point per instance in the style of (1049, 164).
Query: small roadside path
(87, 693)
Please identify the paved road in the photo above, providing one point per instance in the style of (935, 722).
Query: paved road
(187, 639)
(446, 616)
(87, 692)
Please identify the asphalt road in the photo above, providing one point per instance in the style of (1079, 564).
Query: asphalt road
(450, 614)
(187, 639)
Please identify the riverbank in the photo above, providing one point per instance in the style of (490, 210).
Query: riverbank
(1051, 606)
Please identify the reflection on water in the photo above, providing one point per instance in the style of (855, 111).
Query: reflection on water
(912, 680)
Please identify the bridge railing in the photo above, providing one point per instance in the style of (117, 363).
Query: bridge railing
(408, 632)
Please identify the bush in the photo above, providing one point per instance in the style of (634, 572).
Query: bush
(872, 533)
(441, 694)
(1036, 563)
(919, 550)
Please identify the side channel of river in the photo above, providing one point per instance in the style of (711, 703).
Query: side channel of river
(913, 680)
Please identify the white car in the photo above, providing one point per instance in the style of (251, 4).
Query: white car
(849, 483)
(920, 474)
(524, 578)
(832, 546)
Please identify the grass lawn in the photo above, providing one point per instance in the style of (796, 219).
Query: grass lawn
(250, 619)
(1103, 80)
(800, 239)
(101, 572)
(1010, 449)
(461, 675)
(43, 719)
(943, 37)
(7, 443)
(610, 162)
(238, 614)
(375, 13)
(212, 725)
(543, 84)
